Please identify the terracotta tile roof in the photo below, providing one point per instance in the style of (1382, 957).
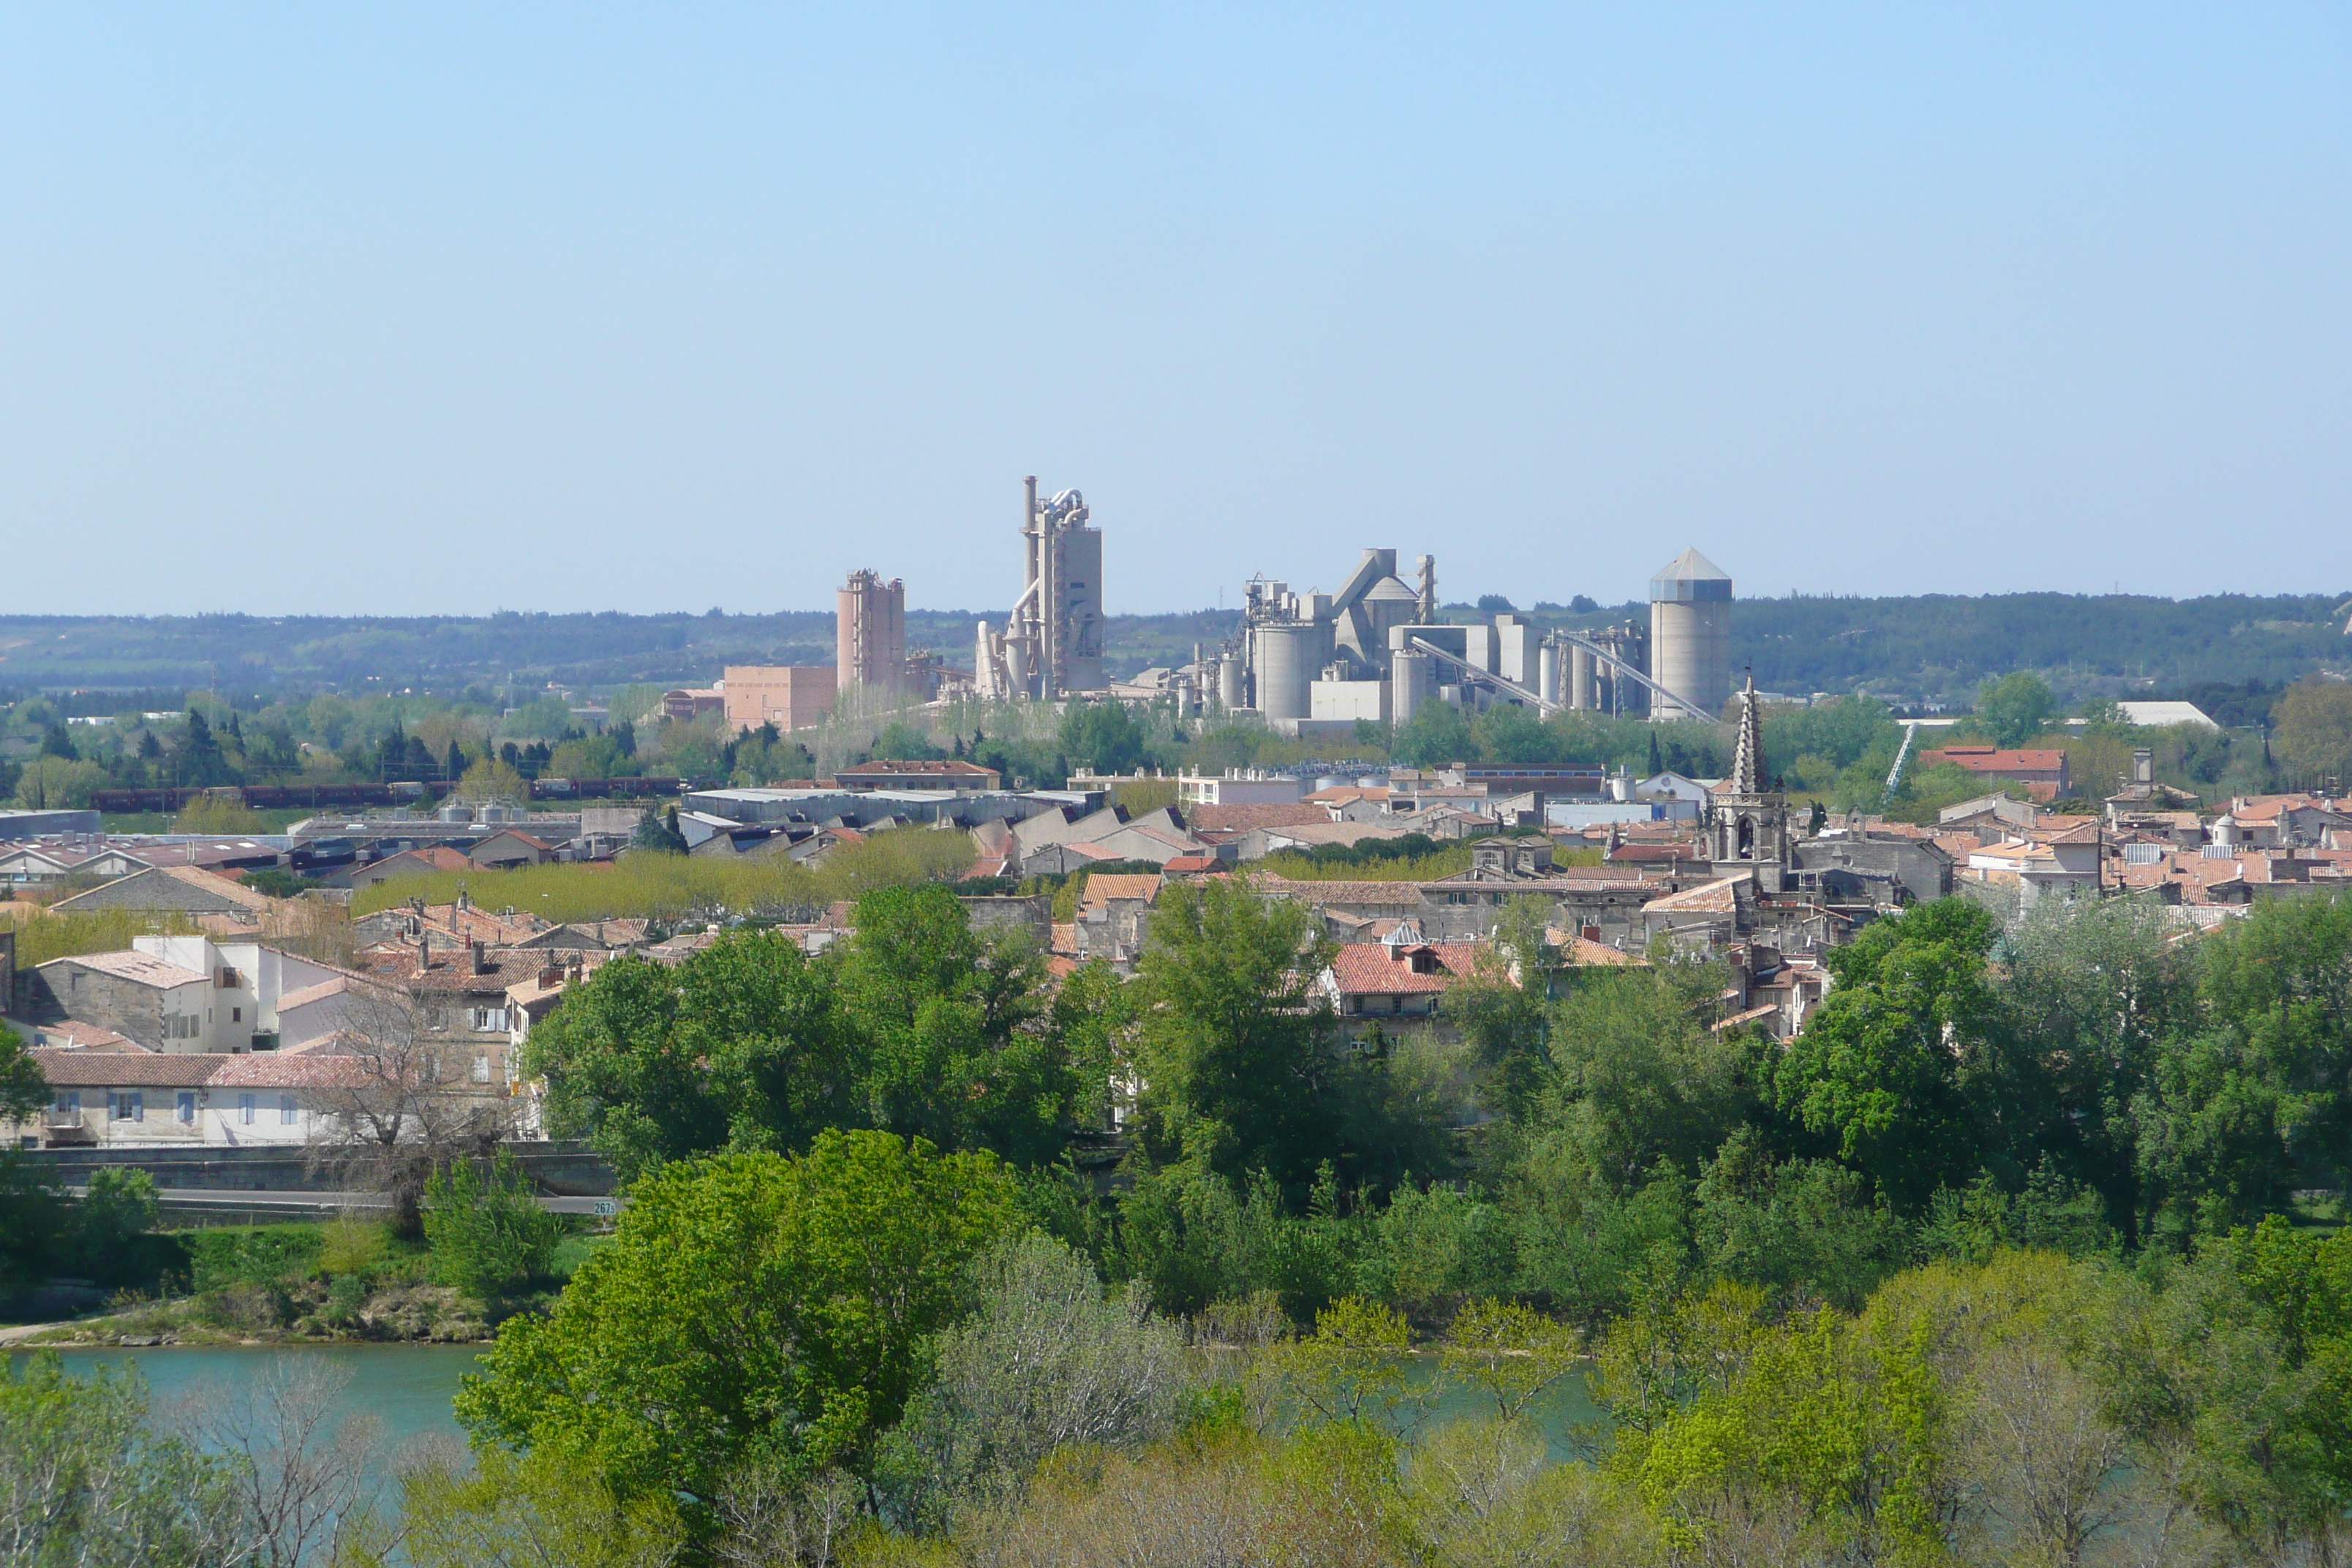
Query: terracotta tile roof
(1382, 969)
(72, 1033)
(1582, 951)
(311, 1069)
(310, 994)
(1243, 818)
(1720, 897)
(1188, 863)
(453, 968)
(1407, 894)
(1101, 890)
(66, 1067)
(1673, 850)
(133, 965)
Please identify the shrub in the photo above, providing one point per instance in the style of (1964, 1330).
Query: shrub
(354, 1247)
(489, 1235)
(252, 1255)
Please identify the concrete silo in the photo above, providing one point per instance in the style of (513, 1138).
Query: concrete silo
(1413, 684)
(1288, 655)
(1690, 636)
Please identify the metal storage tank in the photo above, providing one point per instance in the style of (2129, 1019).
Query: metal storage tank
(1229, 683)
(1582, 689)
(1412, 681)
(1690, 635)
(1547, 673)
(1288, 655)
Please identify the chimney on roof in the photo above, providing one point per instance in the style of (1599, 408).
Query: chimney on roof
(463, 902)
(481, 959)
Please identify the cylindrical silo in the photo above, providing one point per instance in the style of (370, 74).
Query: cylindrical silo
(1548, 674)
(1229, 683)
(1583, 692)
(1288, 653)
(1690, 636)
(1411, 682)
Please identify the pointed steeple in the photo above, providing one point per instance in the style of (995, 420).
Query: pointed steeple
(1748, 762)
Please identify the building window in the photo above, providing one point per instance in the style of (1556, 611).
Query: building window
(245, 1109)
(236, 1015)
(187, 1108)
(69, 1102)
(285, 1110)
(481, 1070)
(486, 1019)
(127, 1105)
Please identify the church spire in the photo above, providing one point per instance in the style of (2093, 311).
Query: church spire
(1748, 762)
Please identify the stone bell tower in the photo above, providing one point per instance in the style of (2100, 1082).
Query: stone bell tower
(1747, 826)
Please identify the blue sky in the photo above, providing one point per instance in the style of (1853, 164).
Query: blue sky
(350, 309)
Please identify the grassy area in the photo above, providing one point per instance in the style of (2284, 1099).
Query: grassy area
(668, 887)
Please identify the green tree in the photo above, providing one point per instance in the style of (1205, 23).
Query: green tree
(1104, 736)
(54, 784)
(1639, 1076)
(1841, 731)
(2016, 708)
(1235, 1040)
(87, 1477)
(952, 1031)
(1435, 735)
(2313, 729)
(2256, 1100)
(490, 1236)
(658, 833)
(1905, 1065)
(736, 1045)
(2105, 991)
(23, 1090)
(748, 1308)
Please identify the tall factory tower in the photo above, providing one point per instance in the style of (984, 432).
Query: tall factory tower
(869, 636)
(1690, 636)
(1053, 645)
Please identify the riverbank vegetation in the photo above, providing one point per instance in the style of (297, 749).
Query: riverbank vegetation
(489, 1252)
(2027, 1250)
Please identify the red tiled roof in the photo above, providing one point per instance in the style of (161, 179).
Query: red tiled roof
(1381, 969)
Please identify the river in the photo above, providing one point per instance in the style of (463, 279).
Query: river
(408, 1387)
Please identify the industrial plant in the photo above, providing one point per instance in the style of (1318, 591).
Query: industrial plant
(1378, 650)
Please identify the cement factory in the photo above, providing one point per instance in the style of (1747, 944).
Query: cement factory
(1304, 663)
(1377, 650)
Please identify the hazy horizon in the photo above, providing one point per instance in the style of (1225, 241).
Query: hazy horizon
(437, 310)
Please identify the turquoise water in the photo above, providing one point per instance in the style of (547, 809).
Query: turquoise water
(409, 1387)
(406, 1387)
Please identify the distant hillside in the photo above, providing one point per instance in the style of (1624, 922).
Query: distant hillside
(1943, 646)
(1934, 646)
